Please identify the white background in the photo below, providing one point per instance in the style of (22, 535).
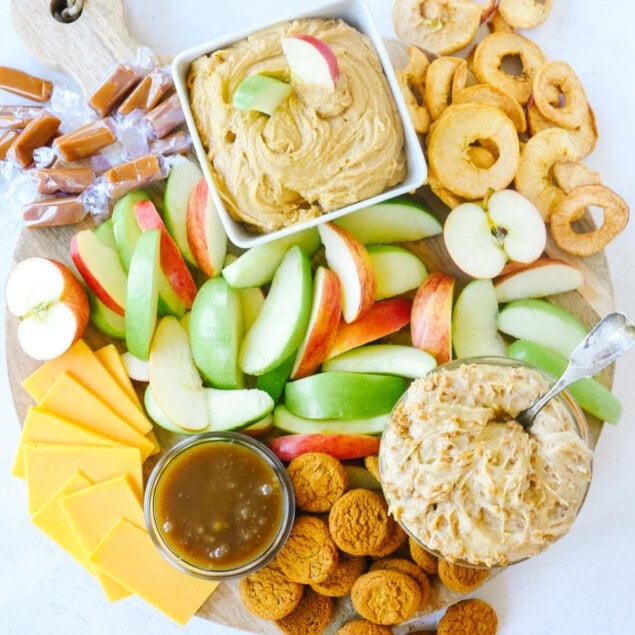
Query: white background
(584, 583)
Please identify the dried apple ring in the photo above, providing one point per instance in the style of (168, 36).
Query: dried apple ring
(439, 82)
(498, 49)
(572, 208)
(571, 174)
(412, 95)
(557, 78)
(498, 24)
(534, 177)
(462, 126)
(448, 198)
(439, 26)
(491, 95)
(524, 14)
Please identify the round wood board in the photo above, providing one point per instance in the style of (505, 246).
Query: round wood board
(100, 39)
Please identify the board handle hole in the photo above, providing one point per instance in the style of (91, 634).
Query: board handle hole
(66, 11)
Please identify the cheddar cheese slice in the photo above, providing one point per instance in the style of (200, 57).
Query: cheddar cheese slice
(48, 466)
(46, 427)
(147, 573)
(82, 363)
(69, 399)
(110, 359)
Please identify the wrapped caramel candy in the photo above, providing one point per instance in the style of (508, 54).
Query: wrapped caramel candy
(20, 83)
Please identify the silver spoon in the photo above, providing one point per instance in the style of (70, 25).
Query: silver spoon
(608, 339)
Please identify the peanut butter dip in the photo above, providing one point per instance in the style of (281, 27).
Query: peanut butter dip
(469, 482)
(320, 150)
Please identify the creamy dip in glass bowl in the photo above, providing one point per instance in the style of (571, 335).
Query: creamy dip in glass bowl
(468, 482)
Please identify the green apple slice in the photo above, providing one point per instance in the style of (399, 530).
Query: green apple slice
(182, 180)
(262, 93)
(105, 319)
(543, 323)
(399, 219)
(234, 409)
(360, 478)
(125, 227)
(283, 319)
(258, 265)
(593, 397)
(274, 380)
(386, 359)
(159, 417)
(343, 395)
(397, 270)
(143, 294)
(474, 321)
(285, 420)
(174, 380)
(216, 333)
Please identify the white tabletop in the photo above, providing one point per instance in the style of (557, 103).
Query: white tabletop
(584, 583)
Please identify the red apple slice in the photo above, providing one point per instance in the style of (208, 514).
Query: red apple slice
(382, 319)
(351, 262)
(311, 60)
(431, 316)
(172, 262)
(205, 232)
(325, 316)
(51, 304)
(341, 446)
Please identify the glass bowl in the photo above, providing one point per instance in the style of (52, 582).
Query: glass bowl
(219, 505)
(470, 486)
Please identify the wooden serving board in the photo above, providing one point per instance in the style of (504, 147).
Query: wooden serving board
(87, 49)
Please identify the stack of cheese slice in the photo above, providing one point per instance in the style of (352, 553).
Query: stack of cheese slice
(81, 454)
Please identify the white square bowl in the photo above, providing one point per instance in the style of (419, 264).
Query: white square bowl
(356, 14)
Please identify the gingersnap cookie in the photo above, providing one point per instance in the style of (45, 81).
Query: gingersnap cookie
(371, 463)
(309, 555)
(460, 578)
(311, 617)
(396, 537)
(413, 570)
(340, 581)
(386, 596)
(359, 522)
(363, 627)
(426, 560)
(268, 594)
(467, 617)
(318, 480)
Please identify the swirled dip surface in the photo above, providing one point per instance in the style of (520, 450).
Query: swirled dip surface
(319, 151)
(475, 489)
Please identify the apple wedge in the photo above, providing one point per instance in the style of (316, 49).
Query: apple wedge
(343, 395)
(386, 359)
(542, 322)
(397, 270)
(106, 320)
(257, 265)
(143, 293)
(382, 319)
(349, 259)
(325, 316)
(235, 409)
(159, 417)
(431, 316)
(261, 93)
(99, 265)
(474, 321)
(341, 446)
(51, 304)
(285, 420)
(397, 220)
(205, 232)
(182, 179)
(251, 302)
(175, 382)
(273, 381)
(480, 240)
(311, 60)
(282, 322)
(136, 368)
(216, 331)
(591, 395)
(539, 279)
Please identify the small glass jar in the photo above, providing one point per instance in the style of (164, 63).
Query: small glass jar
(439, 499)
(219, 505)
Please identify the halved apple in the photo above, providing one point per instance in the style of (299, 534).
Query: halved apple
(311, 60)
(474, 321)
(349, 259)
(325, 316)
(285, 420)
(282, 322)
(205, 232)
(431, 316)
(397, 270)
(399, 219)
(51, 304)
(343, 395)
(262, 93)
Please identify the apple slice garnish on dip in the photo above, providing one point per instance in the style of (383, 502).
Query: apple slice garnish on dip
(311, 60)
(260, 92)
